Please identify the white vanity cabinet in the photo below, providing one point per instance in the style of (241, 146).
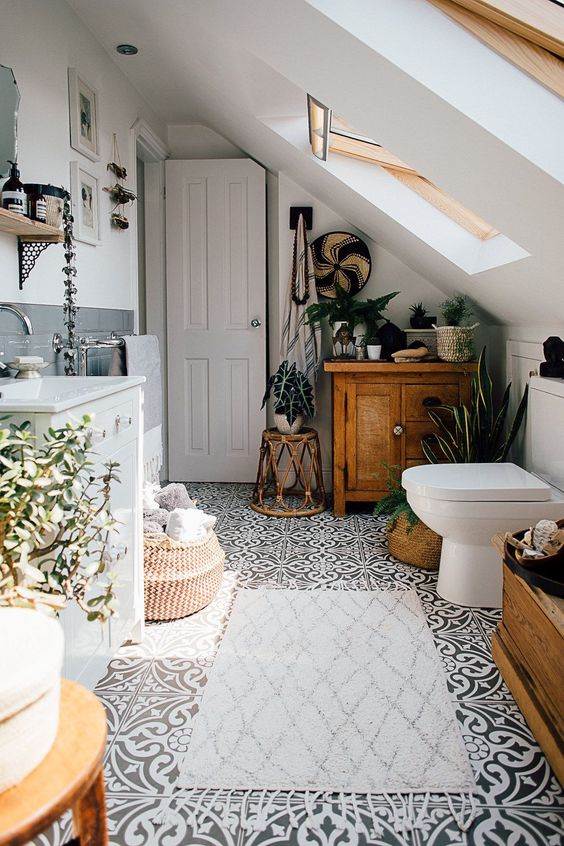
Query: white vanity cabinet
(117, 436)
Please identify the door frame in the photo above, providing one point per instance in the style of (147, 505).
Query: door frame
(145, 144)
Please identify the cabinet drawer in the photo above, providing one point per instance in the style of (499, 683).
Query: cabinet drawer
(109, 423)
(419, 398)
(414, 432)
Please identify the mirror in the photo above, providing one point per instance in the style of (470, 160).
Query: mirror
(9, 104)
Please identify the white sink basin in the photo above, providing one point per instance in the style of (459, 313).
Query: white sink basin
(58, 393)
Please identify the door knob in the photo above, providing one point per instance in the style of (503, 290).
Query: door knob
(255, 323)
(398, 430)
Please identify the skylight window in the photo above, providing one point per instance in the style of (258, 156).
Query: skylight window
(329, 133)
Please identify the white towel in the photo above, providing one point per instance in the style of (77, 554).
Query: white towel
(143, 359)
(189, 524)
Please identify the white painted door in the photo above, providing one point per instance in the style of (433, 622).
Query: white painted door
(216, 307)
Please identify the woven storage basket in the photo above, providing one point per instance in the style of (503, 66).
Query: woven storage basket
(455, 343)
(420, 546)
(180, 578)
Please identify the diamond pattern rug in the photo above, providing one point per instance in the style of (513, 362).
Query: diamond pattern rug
(331, 691)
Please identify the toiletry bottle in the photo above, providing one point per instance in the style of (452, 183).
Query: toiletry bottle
(13, 195)
(37, 205)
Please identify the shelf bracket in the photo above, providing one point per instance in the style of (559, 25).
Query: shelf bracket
(28, 253)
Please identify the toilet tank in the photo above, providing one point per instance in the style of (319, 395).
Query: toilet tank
(545, 429)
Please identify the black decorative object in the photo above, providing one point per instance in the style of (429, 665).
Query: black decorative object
(28, 253)
(340, 259)
(296, 211)
(553, 349)
(70, 309)
(392, 339)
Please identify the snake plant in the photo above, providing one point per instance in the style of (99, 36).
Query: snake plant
(292, 391)
(480, 433)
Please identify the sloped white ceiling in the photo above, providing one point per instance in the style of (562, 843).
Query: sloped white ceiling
(397, 70)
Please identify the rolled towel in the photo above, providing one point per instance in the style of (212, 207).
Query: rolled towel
(174, 496)
(160, 516)
(189, 524)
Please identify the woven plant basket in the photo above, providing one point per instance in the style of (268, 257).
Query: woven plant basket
(180, 578)
(419, 546)
(455, 343)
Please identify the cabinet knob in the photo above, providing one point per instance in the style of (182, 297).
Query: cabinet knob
(118, 421)
(398, 430)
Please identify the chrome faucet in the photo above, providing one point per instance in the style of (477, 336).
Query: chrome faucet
(25, 321)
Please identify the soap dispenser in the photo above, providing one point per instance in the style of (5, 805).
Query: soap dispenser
(13, 195)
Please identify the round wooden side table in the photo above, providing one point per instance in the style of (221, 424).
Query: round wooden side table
(290, 476)
(70, 776)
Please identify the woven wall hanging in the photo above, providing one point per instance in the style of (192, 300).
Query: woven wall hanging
(340, 258)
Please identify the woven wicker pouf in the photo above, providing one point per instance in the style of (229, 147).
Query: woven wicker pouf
(180, 578)
(418, 545)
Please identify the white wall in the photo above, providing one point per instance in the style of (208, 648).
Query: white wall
(40, 40)
(194, 141)
(388, 274)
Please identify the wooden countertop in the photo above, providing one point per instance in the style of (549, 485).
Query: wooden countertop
(339, 365)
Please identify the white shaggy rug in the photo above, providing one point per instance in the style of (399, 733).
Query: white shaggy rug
(330, 691)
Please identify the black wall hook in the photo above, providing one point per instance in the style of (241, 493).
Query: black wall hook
(296, 211)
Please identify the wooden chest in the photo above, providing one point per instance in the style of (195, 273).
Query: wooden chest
(380, 416)
(528, 646)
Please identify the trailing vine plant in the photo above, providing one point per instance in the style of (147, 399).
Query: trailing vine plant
(70, 309)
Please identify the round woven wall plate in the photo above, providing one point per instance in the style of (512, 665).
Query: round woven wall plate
(340, 258)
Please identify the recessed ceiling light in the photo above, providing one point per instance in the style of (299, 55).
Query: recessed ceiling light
(127, 49)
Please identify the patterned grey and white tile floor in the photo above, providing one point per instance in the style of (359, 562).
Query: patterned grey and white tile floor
(152, 693)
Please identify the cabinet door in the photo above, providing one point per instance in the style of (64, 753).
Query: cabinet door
(372, 412)
(125, 536)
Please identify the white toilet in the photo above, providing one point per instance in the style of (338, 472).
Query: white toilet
(468, 503)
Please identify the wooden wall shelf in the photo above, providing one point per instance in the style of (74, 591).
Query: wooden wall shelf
(29, 230)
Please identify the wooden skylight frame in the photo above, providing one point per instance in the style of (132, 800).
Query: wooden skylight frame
(344, 140)
(529, 33)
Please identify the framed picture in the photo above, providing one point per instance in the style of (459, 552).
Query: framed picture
(85, 205)
(83, 110)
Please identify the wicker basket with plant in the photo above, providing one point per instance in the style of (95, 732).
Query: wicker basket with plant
(409, 540)
(455, 341)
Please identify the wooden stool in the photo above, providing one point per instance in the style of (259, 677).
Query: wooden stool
(71, 776)
(298, 478)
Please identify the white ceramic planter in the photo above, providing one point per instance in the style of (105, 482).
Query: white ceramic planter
(30, 671)
(373, 351)
(281, 423)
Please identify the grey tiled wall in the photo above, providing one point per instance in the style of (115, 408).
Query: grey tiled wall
(48, 319)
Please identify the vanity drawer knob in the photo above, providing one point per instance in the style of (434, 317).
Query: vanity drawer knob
(398, 430)
(429, 402)
(103, 433)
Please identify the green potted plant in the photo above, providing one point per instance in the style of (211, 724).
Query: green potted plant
(479, 434)
(293, 398)
(419, 318)
(370, 312)
(455, 340)
(55, 522)
(343, 310)
(409, 539)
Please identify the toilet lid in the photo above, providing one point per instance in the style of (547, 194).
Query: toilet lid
(503, 482)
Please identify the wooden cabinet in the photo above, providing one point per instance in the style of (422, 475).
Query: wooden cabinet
(380, 415)
(527, 647)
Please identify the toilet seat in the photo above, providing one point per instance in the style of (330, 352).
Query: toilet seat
(498, 482)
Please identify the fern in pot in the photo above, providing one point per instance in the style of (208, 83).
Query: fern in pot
(293, 398)
(409, 539)
(455, 340)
